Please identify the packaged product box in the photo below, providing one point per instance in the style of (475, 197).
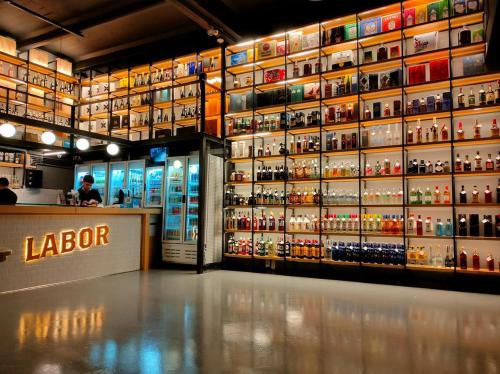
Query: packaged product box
(281, 48)
(342, 59)
(336, 35)
(264, 99)
(191, 67)
(297, 93)
(385, 80)
(459, 7)
(125, 121)
(446, 101)
(248, 100)
(295, 42)
(370, 26)
(376, 109)
(328, 90)
(416, 74)
(431, 103)
(350, 31)
(477, 35)
(434, 13)
(420, 14)
(266, 49)
(278, 96)
(368, 57)
(391, 22)
(373, 81)
(311, 91)
(439, 69)
(274, 75)
(364, 84)
(235, 103)
(396, 77)
(8, 45)
(397, 107)
(394, 51)
(115, 122)
(473, 64)
(354, 83)
(409, 16)
(310, 40)
(425, 42)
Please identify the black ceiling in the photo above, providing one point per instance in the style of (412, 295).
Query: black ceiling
(143, 30)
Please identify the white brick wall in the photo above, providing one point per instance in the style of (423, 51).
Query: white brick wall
(120, 255)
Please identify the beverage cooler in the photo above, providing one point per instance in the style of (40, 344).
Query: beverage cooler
(154, 186)
(117, 178)
(135, 182)
(100, 174)
(80, 172)
(180, 234)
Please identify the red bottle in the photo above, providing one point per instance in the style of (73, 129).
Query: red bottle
(475, 260)
(420, 229)
(490, 262)
(463, 259)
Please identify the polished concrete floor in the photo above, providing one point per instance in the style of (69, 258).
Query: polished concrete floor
(235, 322)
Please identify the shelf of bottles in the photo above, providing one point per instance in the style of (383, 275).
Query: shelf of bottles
(154, 100)
(38, 86)
(368, 140)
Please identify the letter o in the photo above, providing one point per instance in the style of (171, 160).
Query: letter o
(85, 238)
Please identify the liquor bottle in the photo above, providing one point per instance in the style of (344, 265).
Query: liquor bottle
(464, 36)
(475, 195)
(462, 225)
(490, 263)
(482, 96)
(478, 162)
(444, 133)
(497, 93)
(428, 196)
(477, 129)
(463, 259)
(449, 261)
(497, 161)
(494, 130)
(296, 70)
(307, 69)
(467, 164)
(446, 195)
(420, 229)
(387, 110)
(448, 228)
(368, 113)
(461, 99)
(498, 192)
(463, 196)
(419, 132)
(489, 163)
(409, 135)
(472, 99)
(488, 198)
(317, 66)
(475, 260)
(460, 131)
(437, 196)
(487, 225)
(439, 103)
(434, 129)
(458, 164)
(490, 96)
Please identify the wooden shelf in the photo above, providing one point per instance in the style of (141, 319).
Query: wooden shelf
(475, 79)
(263, 135)
(474, 142)
(385, 266)
(340, 153)
(381, 65)
(270, 109)
(381, 121)
(428, 116)
(305, 155)
(244, 257)
(11, 165)
(339, 263)
(304, 130)
(423, 28)
(341, 126)
(427, 86)
(350, 98)
(432, 145)
(478, 174)
(340, 233)
(340, 179)
(270, 158)
(383, 37)
(496, 272)
(468, 19)
(388, 149)
(429, 268)
(424, 57)
(268, 258)
(428, 176)
(413, 236)
(306, 260)
(473, 205)
(332, 74)
(490, 238)
(382, 177)
(303, 105)
(384, 92)
(478, 110)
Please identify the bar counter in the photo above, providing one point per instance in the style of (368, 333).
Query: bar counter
(54, 244)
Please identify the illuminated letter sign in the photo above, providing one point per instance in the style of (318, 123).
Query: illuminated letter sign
(69, 240)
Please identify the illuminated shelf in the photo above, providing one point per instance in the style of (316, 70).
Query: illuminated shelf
(428, 176)
(10, 165)
(241, 160)
(240, 89)
(428, 116)
(268, 258)
(341, 99)
(385, 266)
(186, 100)
(338, 47)
(340, 263)
(267, 134)
(491, 238)
(411, 31)
(427, 86)
(302, 232)
(304, 130)
(388, 149)
(295, 206)
(340, 153)
(305, 155)
(381, 234)
(476, 110)
(381, 205)
(270, 109)
(10, 79)
(332, 74)
(430, 268)
(232, 255)
(468, 19)
(478, 272)
(431, 206)
(339, 179)
(270, 158)
(307, 260)
(380, 65)
(239, 183)
(304, 105)
(383, 37)
(302, 181)
(472, 142)
(424, 57)
(304, 54)
(472, 205)
(340, 233)
(413, 236)
(475, 79)
(382, 177)
(381, 121)
(341, 126)
(431, 145)
(240, 68)
(384, 92)
(478, 174)
(340, 205)
(186, 122)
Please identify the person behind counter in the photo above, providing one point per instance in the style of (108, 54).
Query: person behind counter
(88, 196)
(7, 197)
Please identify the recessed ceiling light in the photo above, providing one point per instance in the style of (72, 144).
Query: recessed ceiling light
(7, 130)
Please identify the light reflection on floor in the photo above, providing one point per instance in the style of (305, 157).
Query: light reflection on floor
(237, 322)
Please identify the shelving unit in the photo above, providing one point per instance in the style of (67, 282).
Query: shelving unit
(153, 100)
(263, 110)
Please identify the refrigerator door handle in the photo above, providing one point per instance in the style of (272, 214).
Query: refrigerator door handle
(184, 199)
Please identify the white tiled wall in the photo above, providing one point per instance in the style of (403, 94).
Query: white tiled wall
(120, 255)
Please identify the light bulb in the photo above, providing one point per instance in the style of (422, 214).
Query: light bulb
(7, 130)
(48, 138)
(112, 149)
(177, 164)
(82, 144)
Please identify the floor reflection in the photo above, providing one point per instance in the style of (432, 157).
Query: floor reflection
(240, 323)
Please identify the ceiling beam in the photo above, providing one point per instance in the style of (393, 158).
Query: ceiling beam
(114, 14)
(205, 18)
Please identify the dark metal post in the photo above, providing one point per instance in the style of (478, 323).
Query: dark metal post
(200, 257)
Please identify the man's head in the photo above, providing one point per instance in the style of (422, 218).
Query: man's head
(88, 181)
(4, 183)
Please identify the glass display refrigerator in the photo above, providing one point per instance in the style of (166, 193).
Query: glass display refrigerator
(100, 174)
(154, 186)
(80, 172)
(180, 234)
(117, 181)
(135, 182)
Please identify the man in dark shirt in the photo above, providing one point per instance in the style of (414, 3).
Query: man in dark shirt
(88, 195)
(7, 197)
